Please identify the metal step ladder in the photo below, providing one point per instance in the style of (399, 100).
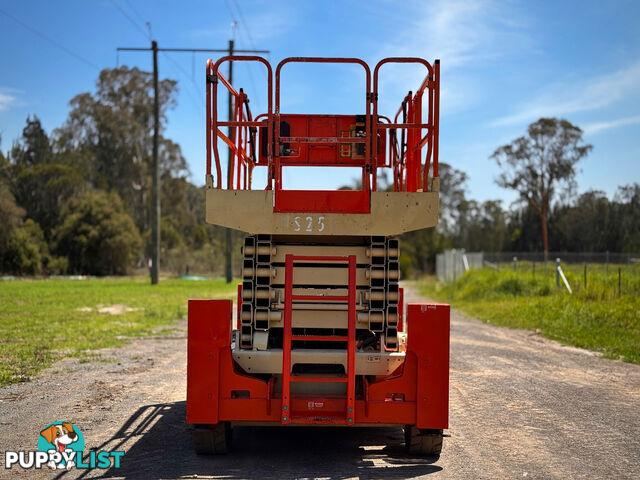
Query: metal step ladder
(286, 415)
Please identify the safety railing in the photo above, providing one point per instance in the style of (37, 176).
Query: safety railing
(410, 174)
(347, 201)
(242, 126)
(408, 134)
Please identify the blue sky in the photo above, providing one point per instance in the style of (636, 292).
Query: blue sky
(504, 65)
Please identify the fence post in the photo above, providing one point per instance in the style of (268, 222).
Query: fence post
(557, 272)
(515, 263)
(454, 256)
(560, 274)
(619, 281)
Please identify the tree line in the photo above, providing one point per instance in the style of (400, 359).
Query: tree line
(78, 201)
(589, 222)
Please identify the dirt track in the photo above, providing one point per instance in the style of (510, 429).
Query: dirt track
(521, 407)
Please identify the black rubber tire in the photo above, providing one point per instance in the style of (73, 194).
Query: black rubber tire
(212, 439)
(423, 442)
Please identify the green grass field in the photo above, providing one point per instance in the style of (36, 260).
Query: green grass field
(44, 320)
(597, 316)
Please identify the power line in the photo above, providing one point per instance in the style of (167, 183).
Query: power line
(164, 50)
(133, 9)
(182, 70)
(50, 40)
(253, 84)
(202, 50)
(185, 74)
(249, 66)
(131, 20)
(226, 4)
(137, 14)
(244, 24)
(199, 105)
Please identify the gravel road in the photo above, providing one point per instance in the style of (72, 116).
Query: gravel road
(521, 407)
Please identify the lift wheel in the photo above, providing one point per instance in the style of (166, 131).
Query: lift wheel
(212, 439)
(423, 442)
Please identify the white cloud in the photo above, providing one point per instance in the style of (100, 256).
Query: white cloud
(464, 34)
(621, 122)
(8, 98)
(269, 24)
(571, 97)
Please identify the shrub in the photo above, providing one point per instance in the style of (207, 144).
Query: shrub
(23, 256)
(97, 235)
(57, 265)
(510, 286)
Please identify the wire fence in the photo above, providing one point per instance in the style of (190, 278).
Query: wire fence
(452, 264)
(565, 257)
(618, 273)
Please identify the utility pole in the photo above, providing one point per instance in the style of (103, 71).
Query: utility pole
(228, 253)
(155, 183)
(155, 187)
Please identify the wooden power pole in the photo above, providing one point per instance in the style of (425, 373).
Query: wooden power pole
(228, 248)
(155, 183)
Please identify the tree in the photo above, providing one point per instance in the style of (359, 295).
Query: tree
(11, 214)
(113, 129)
(539, 163)
(483, 226)
(585, 226)
(27, 250)
(627, 214)
(36, 147)
(42, 179)
(421, 246)
(524, 230)
(453, 184)
(97, 235)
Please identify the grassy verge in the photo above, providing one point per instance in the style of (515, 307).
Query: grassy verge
(594, 317)
(44, 320)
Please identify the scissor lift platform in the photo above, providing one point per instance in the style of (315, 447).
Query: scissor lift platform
(320, 335)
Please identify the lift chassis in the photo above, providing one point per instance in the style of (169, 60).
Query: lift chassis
(319, 335)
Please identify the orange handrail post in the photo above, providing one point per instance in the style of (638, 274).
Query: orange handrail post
(239, 122)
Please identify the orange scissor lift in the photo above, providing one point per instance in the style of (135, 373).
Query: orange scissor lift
(320, 333)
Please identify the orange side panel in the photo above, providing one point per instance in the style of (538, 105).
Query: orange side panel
(255, 404)
(209, 331)
(428, 337)
(322, 201)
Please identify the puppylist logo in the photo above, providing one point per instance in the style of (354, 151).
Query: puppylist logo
(61, 447)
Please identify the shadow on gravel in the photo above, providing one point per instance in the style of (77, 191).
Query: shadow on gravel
(158, 444)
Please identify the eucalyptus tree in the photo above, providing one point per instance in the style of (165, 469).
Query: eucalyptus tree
(540, 165)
